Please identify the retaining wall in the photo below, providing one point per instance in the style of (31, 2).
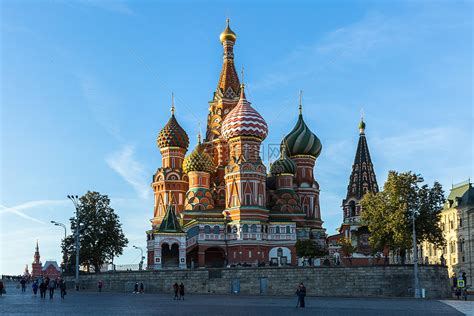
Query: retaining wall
(374, 281)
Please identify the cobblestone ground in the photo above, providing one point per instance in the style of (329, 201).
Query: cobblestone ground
(93, 303)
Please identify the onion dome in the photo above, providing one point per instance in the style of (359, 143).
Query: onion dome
(301, 141)
(244, 120)
(362, 126)
(227, 34)
(198, 160)
(172, 135)
(283, 165)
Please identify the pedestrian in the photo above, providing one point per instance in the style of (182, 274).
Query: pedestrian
(35, 287)
(442, 260)
(99, 285)
(142, 288)
(181, 291)
(51, 287)
(23, 285)
(42, 288)
(2, 288)
(301, 293)
(62, 287)
(135, 288)
(176, 290)
(464, 277)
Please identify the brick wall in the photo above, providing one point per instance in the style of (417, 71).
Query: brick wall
(382, 281)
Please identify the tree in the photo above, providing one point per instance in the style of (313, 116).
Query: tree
(309, 249)
(347, 248)
(101, 236)
(388, 214)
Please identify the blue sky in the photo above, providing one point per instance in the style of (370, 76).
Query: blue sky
(86, 86)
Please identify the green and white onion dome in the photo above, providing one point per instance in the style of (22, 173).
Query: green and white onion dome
(284, 164)
(301, 141)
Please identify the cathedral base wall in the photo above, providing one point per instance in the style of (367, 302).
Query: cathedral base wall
(373, 281)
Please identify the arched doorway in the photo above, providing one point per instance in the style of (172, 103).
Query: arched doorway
(170, 256)
(214, 257)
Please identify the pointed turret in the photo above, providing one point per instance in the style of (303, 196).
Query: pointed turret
(170, 223)
(362, 179)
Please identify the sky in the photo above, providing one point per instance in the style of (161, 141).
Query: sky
(86, 87)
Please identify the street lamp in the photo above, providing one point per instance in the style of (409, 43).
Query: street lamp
(415, 259)
(75, 200)
(140, 265)
(65, 256)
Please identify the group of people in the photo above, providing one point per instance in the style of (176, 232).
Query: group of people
(46, 284)
(178, 291)
(139, 291)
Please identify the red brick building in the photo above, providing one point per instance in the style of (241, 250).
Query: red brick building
(50, 268)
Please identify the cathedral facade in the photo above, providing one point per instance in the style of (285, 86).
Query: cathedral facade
(219, 205)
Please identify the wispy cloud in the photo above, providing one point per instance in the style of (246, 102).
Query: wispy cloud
(125, 164)
(19, 209)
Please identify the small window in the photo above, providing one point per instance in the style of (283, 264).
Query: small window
(245, 228)
(253, 228)
(288, 230)
(207, 229)
(216, 230)
(277, 229)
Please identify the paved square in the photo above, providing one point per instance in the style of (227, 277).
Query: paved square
(106, 303)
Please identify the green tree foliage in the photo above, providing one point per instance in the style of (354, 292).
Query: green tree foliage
(101, 237)
(388, 213)
(309, 249)
(347, 248)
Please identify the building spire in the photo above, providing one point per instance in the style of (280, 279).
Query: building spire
(172, 103)
(300, 106)
(362, 123)
(199, 133)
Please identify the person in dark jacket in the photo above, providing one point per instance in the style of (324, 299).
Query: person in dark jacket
(23, 285)
(42, 288)
(176, 291)
(181, 291)
(2, 288)
(301, 293)
(135, 288)
(35, 287)
(62, 287)
(142, 288)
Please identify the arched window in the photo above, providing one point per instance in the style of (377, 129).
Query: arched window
(245, 228)
(288, 230)
(277, 229)
(216, 230)
(253, 228)
(279, 252)
(207, 229)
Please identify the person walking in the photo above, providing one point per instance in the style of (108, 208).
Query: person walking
(142, 288)
(2, 288)
(23, 285)
(51, 287)
(181, 291)
(35, 287)
(135, 288)
(42, 288)
(100, 284)
(62, 287)
(176, 290)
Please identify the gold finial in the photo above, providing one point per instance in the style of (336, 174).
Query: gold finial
(172, 103)
(228, 34)
(228, 22)
(242, 75)
(300, 106)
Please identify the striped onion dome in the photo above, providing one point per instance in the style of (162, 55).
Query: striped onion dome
(172, 135)
(283, 165)
(301, 141)
(198, 160)
(244, 120)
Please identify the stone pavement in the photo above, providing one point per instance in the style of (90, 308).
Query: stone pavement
(107, 303)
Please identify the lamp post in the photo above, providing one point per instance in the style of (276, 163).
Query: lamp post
(140, 265)
(415, 259)
(64, 252)
(75, 200)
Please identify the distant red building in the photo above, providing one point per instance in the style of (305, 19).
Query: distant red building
(50, 268)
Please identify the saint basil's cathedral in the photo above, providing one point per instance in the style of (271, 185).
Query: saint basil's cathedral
(220, 205)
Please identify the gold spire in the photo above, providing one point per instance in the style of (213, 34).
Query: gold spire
(242, 85)
(172, 103)
(199, 133)
(300, 106)
(228, 34)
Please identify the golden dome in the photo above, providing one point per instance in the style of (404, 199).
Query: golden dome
(228, 34)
